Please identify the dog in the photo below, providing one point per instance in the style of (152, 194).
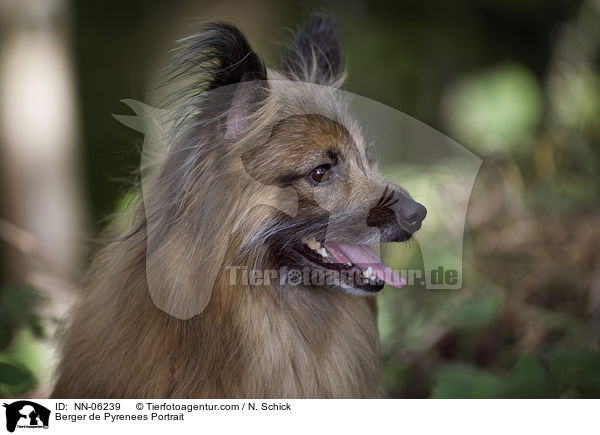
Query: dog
(162, 317)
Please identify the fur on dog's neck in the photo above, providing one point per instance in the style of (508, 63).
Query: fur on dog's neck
(249, 342)
(309, 342)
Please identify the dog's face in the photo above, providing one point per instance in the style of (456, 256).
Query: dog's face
(344, 205)
(283, 128)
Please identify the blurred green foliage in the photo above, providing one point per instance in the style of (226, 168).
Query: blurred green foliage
(495, 111)
(15, 379)
(19, 306)
(527, 321)
(561, 373)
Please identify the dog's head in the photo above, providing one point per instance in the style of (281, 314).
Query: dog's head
(344, 204)
(270, 137)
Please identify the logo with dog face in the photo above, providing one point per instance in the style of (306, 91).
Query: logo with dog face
(25, 414)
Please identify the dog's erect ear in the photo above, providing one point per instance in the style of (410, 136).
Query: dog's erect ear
(236, 62)
(218, 55)
(314, 55)
(222, 73)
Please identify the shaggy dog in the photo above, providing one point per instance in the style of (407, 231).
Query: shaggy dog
(266, 171)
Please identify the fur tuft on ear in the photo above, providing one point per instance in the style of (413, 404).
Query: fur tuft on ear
(314, 55)
(223, 78)
(220, 51)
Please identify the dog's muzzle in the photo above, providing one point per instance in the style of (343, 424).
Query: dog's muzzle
(396, 216)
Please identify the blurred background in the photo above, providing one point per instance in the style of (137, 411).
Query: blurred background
(515, 81)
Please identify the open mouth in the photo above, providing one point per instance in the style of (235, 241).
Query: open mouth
(359, 266)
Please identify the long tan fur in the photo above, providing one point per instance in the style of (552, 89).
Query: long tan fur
(269, 340)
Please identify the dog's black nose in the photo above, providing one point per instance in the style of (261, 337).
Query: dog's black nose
(411, 214)
(397, 216)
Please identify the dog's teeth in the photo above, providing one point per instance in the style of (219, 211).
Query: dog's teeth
(322, 252)
(367, 273)
(313, 244)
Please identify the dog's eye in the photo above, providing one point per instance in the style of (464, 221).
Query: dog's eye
(320, 174)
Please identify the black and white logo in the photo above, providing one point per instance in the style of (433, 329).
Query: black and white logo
(25, 414)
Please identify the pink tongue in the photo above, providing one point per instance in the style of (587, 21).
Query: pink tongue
(363, 257)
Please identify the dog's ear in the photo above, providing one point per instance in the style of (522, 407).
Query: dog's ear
(225, 78)
(217, 56)
(314, 55)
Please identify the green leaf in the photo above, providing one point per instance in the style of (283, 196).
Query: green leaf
(526, 379)
(465, 383)
(574, 370)
(18, 301)
(497, 109)
(477, 311)
(15, 379)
